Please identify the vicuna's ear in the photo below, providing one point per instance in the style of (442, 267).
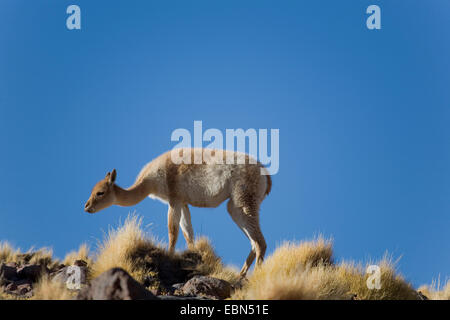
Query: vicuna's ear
(112, 176)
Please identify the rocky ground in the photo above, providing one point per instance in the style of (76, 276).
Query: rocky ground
(114, 284)
(128, 265)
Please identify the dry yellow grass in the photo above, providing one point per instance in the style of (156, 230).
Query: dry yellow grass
(83, 253)
(7, 296)
(290, 256)
(7, 252)
(130, 248)
(120, 245)
(43, 256)
(306, 271)
(294, 271)
(305, 283)
(212, 264)
(290, 259)
(393, 285)
(46, 289)
(435, 291)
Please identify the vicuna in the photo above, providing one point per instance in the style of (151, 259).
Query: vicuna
(201, 185)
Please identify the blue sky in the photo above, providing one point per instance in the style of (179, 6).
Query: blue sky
(363, 118)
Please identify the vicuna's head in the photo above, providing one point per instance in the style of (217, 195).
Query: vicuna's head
(102, 195)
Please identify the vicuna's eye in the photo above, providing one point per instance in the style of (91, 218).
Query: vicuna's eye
(100, 193)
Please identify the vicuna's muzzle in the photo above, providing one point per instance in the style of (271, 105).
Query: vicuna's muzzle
(87, 206)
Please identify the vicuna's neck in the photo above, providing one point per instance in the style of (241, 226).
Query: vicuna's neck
(133, 195)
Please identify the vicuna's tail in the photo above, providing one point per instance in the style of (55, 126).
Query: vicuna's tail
(269, 179)
(269, 184)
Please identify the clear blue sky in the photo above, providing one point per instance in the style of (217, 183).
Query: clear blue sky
(363, 118)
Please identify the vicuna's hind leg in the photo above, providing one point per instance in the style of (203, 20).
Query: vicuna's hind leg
(249, 224)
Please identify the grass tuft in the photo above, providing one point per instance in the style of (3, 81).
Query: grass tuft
(306, 271)
(294, 271)
(435, 291)
(149, 262)
(83, 253)
(46, 289)
(43, 256)
(120, 246)
(393, 285)
(211, 264)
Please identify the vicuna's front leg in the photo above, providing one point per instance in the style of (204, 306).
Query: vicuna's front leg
(173, 222)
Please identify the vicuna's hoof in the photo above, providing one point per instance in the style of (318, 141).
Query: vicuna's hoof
(240, 283)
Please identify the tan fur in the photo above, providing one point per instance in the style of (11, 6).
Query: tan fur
(202, 185)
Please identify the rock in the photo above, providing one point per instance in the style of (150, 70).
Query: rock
(32, 272)
(421, 296)
(80, 263)
(156, 291)
(239, 284)
(176, 289)
(11, 287)
(8, 272)
(164, 269)
(115, 284)
(65, 273)
(178, 286)
(181, 298)
(20, 288)
(208, 286)
(11, 264)
(23, 289)
(60, 275)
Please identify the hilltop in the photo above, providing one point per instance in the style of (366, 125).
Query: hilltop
(129, 264)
